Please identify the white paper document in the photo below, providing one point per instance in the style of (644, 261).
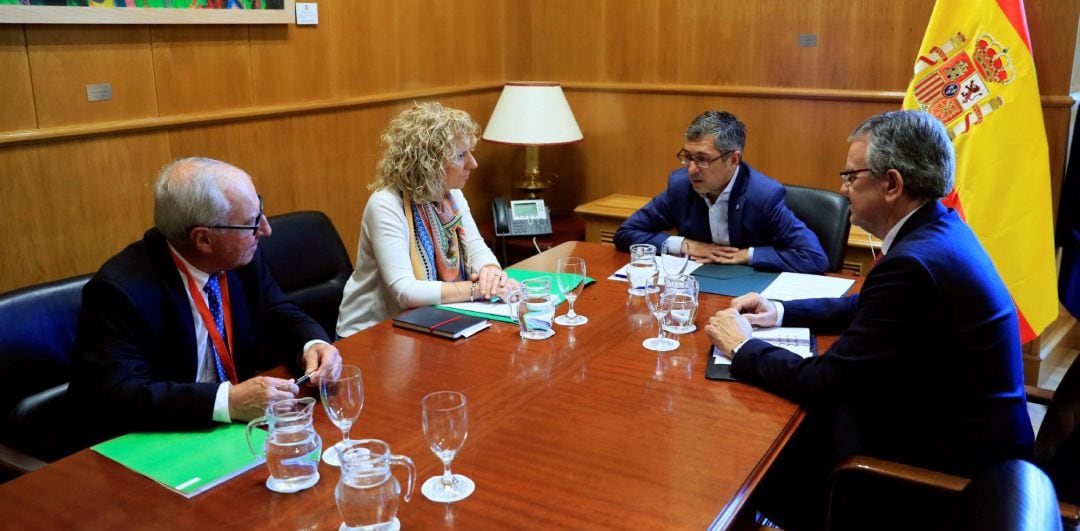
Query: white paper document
(795, 286)
(670, 264)
(796, 340)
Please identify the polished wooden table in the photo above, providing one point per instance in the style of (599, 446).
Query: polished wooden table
(586, 430)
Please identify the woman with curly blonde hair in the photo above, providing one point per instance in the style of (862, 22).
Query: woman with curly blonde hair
(418, 243)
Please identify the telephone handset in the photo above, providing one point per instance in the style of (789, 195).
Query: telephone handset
(525, 217)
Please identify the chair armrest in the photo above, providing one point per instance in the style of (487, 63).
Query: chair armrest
(16, 463)
(1038, 395)
(862, 464)
(1070, 515)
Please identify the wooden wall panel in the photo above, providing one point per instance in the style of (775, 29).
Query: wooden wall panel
(202, 68)
(17, 105)
(364, 47)
(64, 59)
(558, 40)
(68, 206)
(289, 63)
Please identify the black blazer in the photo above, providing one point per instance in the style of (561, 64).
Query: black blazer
(135, 359)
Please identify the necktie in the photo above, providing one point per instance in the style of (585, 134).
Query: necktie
(213, 300)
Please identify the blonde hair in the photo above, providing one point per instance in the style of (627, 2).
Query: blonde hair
(417, 146)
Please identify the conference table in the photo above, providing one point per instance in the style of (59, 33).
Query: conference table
(585, 430)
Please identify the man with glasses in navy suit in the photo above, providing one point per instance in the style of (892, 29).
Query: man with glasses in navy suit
(174, 327)
(725, 211)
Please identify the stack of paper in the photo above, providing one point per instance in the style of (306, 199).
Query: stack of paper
(796, 340)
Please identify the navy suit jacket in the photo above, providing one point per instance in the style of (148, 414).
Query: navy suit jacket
(927, 368)
(135, 359)
(757, 217)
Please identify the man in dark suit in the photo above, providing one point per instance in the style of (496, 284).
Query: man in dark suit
(174, 327)
(927, 368)
(725, 211)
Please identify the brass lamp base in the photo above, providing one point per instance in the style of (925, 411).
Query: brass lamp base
(531, 184)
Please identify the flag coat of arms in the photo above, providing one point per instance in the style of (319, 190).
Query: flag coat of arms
(975, 73)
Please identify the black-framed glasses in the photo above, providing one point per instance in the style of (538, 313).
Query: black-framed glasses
(848, 176)
(254, 227)
(702, 161)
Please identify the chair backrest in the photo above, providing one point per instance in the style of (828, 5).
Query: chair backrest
(1057, 445)
(1009, 496)
(826, 214)
(309, 262)
(36, 339)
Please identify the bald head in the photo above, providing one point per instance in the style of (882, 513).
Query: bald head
(195, 192)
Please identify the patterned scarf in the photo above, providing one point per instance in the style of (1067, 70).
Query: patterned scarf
(437, 239)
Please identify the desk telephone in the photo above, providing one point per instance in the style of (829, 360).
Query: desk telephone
(526, 217)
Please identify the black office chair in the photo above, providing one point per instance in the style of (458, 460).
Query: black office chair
(827, 215)
(36, 341)
(1057, 453)
(309, 262)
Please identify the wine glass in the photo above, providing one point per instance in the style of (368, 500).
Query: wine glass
(446, 424)
(674, 258)
(342, 398)
(659, 304)
(570, 276)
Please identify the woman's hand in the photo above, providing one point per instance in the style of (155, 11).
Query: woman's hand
(491, 281)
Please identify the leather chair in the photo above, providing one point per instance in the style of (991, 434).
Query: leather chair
(36, 341)
(1057, 453)
(309, 262)
(827, 215)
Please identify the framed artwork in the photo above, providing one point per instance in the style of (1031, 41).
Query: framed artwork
(147, 11)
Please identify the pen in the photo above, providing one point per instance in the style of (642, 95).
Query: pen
(303, 379)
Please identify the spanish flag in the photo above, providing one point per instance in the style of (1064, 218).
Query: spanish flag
(975, 73)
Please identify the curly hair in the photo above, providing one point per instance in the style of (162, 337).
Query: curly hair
(418, 144)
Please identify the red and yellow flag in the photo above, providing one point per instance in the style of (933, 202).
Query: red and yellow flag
(976, 74)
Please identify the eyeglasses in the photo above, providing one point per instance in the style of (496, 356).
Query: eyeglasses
(254, 227)
(848, 176)
(702, 161)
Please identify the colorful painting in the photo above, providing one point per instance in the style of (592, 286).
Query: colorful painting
(147, 11)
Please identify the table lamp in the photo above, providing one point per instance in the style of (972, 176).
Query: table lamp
(532, 114)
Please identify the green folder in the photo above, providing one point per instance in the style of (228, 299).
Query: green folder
(188, 462)
(732, 280)
(520, 275)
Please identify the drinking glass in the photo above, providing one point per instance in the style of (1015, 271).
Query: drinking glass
(342, 398)
(446, 424)
(570, 276)
(673, 258)
(642, 267)
(660, 305)
(684, 305)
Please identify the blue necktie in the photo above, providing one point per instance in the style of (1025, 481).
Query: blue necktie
(213, 300)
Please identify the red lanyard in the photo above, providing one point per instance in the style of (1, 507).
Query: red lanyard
(224, 351)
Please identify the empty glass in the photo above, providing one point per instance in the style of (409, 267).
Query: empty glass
(660, 305)
(684, 305)
(446, 425)
(367, 493)
(570, 277)
(533, 308)
(674, 258)
(343, 399)
(642, 267)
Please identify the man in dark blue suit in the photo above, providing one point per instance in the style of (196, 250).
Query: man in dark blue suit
(174, 327)
(725, 211)
(927, 369)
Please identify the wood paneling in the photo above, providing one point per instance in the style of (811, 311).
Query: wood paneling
(364, 59)
(289, 63)
(64, 59)
(200, 69)
(17, 105)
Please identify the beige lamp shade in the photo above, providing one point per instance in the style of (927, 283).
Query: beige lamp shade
(532, 114)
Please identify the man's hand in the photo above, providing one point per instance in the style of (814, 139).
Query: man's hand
(248, 399)
(491, 281)
(704, 253)
(727, 329)
(321, 360)
(758, 310)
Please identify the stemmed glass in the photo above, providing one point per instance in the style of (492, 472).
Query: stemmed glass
(659, 304)
(570, 276)
(343, 399)
(446, 424)
(673, 258)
